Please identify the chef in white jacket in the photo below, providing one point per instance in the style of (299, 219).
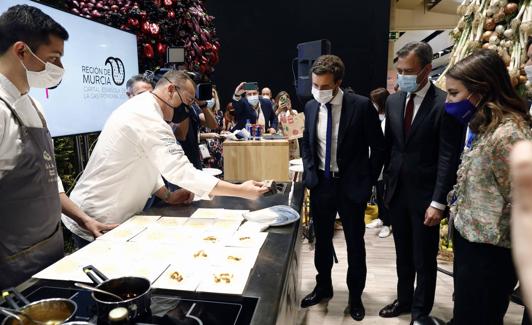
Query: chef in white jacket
(137, 147)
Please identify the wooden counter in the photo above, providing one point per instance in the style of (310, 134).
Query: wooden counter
(256, 159)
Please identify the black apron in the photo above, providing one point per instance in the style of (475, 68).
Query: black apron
(31, 237)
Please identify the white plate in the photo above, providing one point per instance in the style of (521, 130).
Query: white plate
(122, 233)
(141, 220)
(247, 239)
(238, 280)
(191, 278)
(238, 257)
(202, 213)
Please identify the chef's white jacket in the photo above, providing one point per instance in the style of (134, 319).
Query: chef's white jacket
(10, 141)
(135, 148)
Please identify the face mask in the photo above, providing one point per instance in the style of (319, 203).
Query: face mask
(266, 97)
(210, 103)
(528, 70)
(407, 83)
(253, 100)
(463, 110)
(50, 77)
(181, 112)
(322, 96)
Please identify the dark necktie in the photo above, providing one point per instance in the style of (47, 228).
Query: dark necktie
(409, 114)
(328, 140)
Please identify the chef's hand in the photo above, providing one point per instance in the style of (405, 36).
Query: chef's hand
(272, 131)
(97, 228)
(240, 89)
(433, 216)
(180, 196)
(252, 190)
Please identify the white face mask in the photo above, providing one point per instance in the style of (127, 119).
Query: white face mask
(266, 97)
(253, 100)
(322, 96)
(50, 77)
(528, 70)
(210, 103)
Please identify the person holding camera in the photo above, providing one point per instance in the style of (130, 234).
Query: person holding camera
(284, 105)
(253, 108)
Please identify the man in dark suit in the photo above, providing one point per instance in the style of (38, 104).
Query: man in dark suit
(254, 108)
(423, 146)
(340, 128)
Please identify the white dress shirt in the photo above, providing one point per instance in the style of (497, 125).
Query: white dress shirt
(336, 110)
(10, 141)
(260, 115)
(134, 149)
(420, 96)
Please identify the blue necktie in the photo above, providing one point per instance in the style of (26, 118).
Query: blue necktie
(328, 140)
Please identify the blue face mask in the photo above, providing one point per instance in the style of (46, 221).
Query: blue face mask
(407, 83)
(463, 110)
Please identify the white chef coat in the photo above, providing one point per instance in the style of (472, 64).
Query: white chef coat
(134, 149)
(10, 141)
(336, 111)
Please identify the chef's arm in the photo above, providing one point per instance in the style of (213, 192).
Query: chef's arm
(73, 211)
(250, 190)
(179, 196)
(163, 151)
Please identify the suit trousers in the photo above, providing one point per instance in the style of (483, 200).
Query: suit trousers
(326, 200)
(416, 248)
(484, 279)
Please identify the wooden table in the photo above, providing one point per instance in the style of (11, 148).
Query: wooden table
(256, 159)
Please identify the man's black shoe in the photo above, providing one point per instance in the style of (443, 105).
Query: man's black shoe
(316, 296)
(394, 309)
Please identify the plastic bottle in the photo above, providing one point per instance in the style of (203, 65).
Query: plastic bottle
(248, 127)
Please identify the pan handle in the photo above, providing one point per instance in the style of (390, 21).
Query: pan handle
(8, 294)
(94, 274)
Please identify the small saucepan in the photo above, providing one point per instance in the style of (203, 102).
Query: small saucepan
(52, 311)
(134, 291)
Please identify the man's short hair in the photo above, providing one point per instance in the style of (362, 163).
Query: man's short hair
(29, 25)
(329, 64)
(422, 50)
(137, 78)
(177, 77)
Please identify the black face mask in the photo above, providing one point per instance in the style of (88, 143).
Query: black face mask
(181, 112)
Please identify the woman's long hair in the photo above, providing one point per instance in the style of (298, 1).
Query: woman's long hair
(484, 73)
(379, 96)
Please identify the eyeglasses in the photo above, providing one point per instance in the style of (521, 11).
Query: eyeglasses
(177, 88)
